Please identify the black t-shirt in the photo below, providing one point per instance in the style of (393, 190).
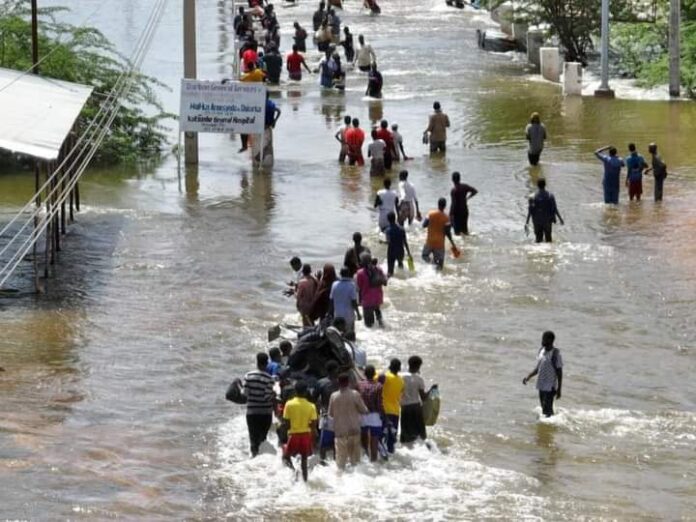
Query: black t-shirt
(274, 66)
(325, 387)
(542, 207)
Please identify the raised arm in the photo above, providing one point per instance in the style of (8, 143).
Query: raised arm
(599, 151)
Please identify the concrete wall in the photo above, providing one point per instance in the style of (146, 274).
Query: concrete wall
(572, 79)
(503, 14)
(550, 64)
(535, 39)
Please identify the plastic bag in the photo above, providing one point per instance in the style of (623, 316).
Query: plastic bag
(431, 407)
(235, 392)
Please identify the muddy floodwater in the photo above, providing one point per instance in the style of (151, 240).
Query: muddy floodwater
(112, 400)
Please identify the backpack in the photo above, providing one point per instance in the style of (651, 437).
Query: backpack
(235, 392)
(375, 277)
(431, 407)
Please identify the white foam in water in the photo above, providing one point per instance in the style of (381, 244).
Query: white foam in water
(626, 89)
(447, 486)
(672, 428)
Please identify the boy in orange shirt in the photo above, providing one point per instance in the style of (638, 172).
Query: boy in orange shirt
(438, 225)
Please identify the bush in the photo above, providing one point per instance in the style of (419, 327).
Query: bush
(644, 48)
(84, 55)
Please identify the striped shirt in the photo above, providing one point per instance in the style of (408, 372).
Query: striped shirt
(547, 365)
(258, 387)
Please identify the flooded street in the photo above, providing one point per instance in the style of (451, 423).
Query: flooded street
(112, 400)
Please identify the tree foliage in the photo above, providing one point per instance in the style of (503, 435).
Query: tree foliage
(84, 55)
(573, 22)
(644, 48)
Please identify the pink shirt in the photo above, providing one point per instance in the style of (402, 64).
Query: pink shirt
(370, 296)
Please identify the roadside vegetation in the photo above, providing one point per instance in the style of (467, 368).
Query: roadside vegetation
(84, 55)
(639, 34)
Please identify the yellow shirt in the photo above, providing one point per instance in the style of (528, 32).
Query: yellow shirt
(391, 393)
(300, 412)
(256, 75)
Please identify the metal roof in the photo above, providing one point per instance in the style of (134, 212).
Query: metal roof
(37, 113)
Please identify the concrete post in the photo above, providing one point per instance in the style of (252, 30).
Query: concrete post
(674, 21)
(604, 90)
(504, 14)
(550, 64)
(572, 79)
(535, 39)
(519, 33)
(190, 67)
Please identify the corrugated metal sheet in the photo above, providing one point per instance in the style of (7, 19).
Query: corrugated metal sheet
(36, 113)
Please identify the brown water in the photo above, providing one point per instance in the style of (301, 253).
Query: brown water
(112, 400)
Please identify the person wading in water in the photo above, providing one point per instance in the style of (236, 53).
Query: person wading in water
(549, 368)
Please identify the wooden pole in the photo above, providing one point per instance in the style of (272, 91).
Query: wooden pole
(49, 234)
(37, 168)
(63, 185)
(71, 145)
(56, 217)
(674, 73)
(190, 138)
(34, 37)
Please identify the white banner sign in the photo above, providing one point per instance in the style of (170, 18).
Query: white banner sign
(208, 106)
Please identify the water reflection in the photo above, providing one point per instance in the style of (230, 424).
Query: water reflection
(375, 112)
(332, 107)
(352, 185)
(257, 193)
(547, 458)
(191, 183)
(294, 98)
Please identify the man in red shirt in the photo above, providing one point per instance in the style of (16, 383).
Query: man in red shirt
(294, 63)
(384, 134)
(248, 57)
(354, 139)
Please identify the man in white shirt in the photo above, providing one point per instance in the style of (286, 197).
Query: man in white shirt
(408, 202)
(386, 201)
(365, 55)
(375, 150)
(341, 138)
(399, 151)
(412, 423)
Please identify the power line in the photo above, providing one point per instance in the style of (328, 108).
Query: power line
(105, 116)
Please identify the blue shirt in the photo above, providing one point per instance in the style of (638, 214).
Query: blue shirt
(343, 293)
(270, 112)
(273, 368)
(635, 164)
(612, 168)
(395, 239)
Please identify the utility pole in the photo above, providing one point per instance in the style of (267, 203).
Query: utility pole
(37, 170)
(190, 138)
(674, 21)
(604, 91)
(34, 37)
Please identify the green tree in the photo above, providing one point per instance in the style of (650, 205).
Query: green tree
(644, 47)
(84, 55)
(574, 22)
